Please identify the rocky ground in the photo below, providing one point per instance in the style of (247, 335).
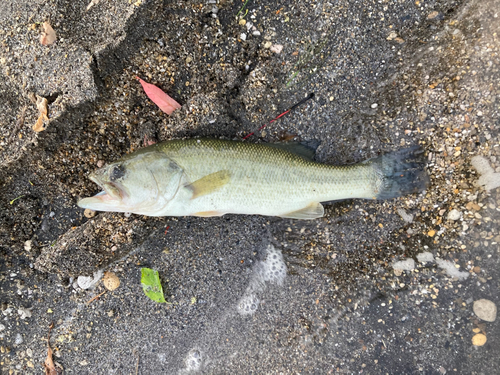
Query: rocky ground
(392, 287)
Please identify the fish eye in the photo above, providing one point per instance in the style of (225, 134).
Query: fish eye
(118, 171)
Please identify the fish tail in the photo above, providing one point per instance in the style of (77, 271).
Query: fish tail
(401, 172)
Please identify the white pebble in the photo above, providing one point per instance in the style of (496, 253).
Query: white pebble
(19, 339)
(88, 282)
(374, 105)
(454, 215)
(276, 48)
(243, 36)
(24, 313)
(485, 310)
(256, 33)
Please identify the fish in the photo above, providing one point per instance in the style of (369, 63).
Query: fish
(212, 177)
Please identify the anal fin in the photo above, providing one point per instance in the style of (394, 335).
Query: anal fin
(311, 211)
(208, 213)
(209, 183)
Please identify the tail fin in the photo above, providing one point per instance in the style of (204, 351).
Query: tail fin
(401, 172)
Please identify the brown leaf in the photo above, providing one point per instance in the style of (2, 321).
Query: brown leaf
(48, 35)
(41, 104)
(50, 367)
(162, 100)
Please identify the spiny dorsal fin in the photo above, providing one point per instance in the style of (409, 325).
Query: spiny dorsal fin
(311, 211)
(209, 183)
(307, 150)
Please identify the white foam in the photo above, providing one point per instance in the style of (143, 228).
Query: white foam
(489, 179)
(273, 268)
(404, 265)
(405, 216)
(426, 256)
(248, 304)
(451, 270)
(193, 361)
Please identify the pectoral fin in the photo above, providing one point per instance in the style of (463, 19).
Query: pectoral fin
(209, 183)
(312, 211)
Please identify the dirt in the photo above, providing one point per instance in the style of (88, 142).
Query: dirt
(385, 76)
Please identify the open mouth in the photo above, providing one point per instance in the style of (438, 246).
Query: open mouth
(110, 190)
(108, 199)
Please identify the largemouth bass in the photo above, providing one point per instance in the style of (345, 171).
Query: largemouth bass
(205, 177)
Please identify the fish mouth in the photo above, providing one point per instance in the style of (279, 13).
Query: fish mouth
(110, 199)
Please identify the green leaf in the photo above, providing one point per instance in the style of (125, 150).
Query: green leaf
(151, 285)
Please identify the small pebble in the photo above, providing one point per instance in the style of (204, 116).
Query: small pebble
(243, 36)
(276, 48)
(88, 213)
(485, 310)
(268, 44)
(110, 281)
(19, 339)
(431, 233)
(432, 15)
(479, 339)
(374, 105)
(392, 35)
(454, 215)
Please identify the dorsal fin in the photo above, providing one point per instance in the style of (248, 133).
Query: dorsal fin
(306, 149)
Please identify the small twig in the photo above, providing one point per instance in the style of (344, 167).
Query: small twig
(15, 199)
(50, 329)
(96, 297)
(243, 7)
(310, 96)
(136, 353)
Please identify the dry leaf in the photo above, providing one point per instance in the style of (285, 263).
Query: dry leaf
(92, 3)
(41, 104)
(50, 367)
(162, 100)
(48, 35)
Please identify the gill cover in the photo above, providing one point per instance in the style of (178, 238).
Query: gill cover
(141, 184)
